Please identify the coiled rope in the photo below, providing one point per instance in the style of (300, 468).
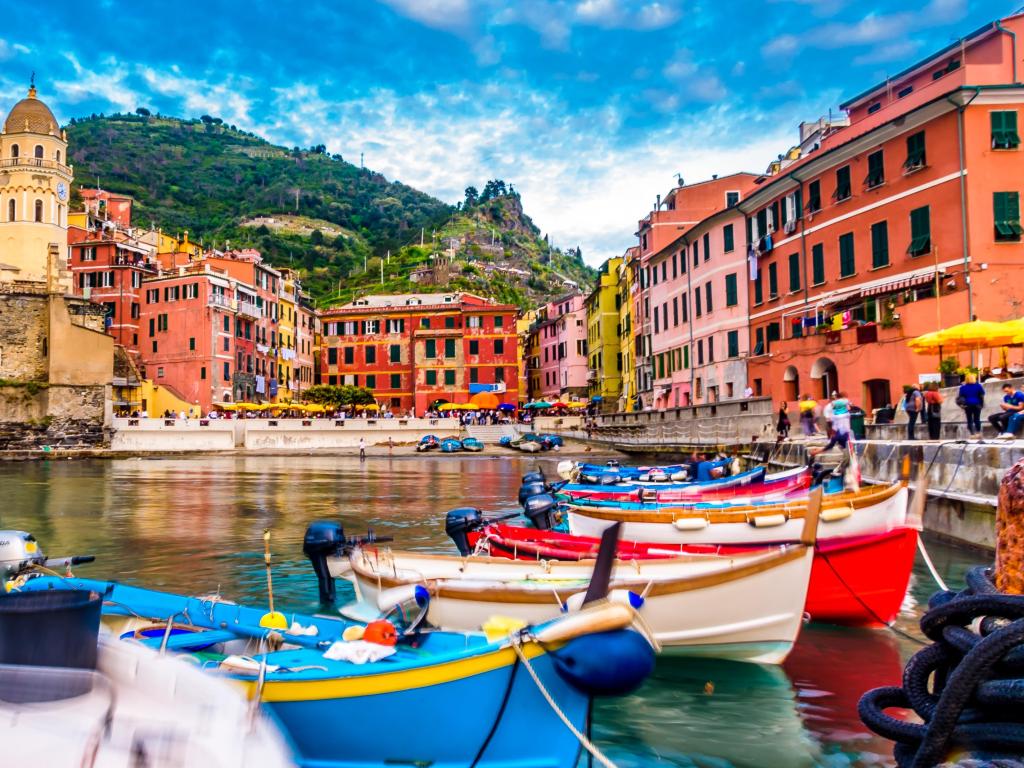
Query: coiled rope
(967, 686)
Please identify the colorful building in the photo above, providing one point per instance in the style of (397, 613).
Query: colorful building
(901, 222)
(699, 313)
(658, 233)
(624, 285)
(417, 349)
(603, 305)
(558, 350)
(296, 332)
(526, 356)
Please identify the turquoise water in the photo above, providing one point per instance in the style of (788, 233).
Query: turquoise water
(195, 526)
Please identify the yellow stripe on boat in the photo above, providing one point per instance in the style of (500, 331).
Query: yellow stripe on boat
(389, 682)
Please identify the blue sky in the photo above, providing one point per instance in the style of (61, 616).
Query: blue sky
(590, 107)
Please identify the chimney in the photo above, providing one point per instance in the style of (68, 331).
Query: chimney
(657, 205)
(714, 176)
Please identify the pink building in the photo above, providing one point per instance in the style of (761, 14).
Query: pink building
(698, 316)
(661, 235)
(559, 339)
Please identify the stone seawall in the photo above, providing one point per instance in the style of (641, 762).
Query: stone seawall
(34, 416)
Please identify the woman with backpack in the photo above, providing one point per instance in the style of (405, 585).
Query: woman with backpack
(971, 397)
(913, 404)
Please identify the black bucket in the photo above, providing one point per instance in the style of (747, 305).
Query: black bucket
(56, 628)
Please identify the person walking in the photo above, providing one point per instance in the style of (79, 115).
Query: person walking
(933, 410)
(362, 449)
(782, 427)
(971, 397)
(913, 404)
(807, 406)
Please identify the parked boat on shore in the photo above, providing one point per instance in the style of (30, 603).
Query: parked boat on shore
(450, 445)
(428, 443)
(472, 444)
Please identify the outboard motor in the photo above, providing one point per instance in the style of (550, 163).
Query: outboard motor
(608, 480)
(526, 490)
(18, 550)
(324, 539)
(534, 477)
(459, 522)
(540, 510)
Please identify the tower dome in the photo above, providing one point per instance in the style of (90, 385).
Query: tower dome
(30, 115)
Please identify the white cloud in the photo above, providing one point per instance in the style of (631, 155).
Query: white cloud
(10, 50)
(225, 100)
(111, 85)
(450, 15)
(579, 183)
(783, 46)
(899, 50)
(696, 82)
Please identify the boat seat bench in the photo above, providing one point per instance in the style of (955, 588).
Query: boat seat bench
(189, 639)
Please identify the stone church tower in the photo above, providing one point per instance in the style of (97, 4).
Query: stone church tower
(56, 361)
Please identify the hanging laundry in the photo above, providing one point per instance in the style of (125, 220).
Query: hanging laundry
(837, 322)
(752, 262)
(847, 318)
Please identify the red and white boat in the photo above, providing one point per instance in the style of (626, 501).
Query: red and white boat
(855, 581)
(776, 486)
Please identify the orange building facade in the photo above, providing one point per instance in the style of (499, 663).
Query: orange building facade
(414, 350)
(902, 222)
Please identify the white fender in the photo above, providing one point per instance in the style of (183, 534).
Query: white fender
(390, 598)
(767, 521)
(690, 523)
(566, 469)
(836, 513)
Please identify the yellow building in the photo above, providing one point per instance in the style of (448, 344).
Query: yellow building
(287, 315)
(604, 375)
(624, 286)
(523, 323)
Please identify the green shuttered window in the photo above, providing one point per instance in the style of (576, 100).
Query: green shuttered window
(920, 231)
(794, 272)
(731, 298)
(915, 152)
(879, 244)
(818, 264)
(847, 262)
(1004, 129)
(1006, 209)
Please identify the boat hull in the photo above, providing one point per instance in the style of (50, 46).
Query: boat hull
(745, 608)
(887, 511)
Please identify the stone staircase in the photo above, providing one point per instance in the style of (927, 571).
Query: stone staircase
(490, 435)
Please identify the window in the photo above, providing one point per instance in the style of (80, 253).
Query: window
(39, 211)
(814, 196)
(762, 222)
(876, 170)
(707, 297)
(152, 327)
(773, 280)
(371, 381)
(449, 377)
(794, 272)
(759, 342)
(731, 298)
(332, 356)
(847, 264)
(499, 374)
(879, 245)
(396, 381)
(657, 317)
(39, 151)
(10, 210)
(449, 322)
(1004, 129)
(675, 311)
(449, 347)
(696, 302)
(1006, 207)
(707, 246)
(371, 355)
(915, 152)
(395, 353)
(758, 288)
(161, 322)
(15, 151)
(700, 351)
(430, 350)
(818, 264)
(473, 321)
(920, 231)
(396, 326)
(431, 377)
(842, 184)
(499, 346)
(733, 343)
(192, 344)
(711, 349)
(874, 107)
(474, 375)
(772, 333)
(905, 92)
(731, 199)
(350, 355)
(154, 347)
(686, 308)
(728, 241)
(424, 322)
(474, 347)
(202, 372)
(696, 253)
(153, 297)
(227, 344)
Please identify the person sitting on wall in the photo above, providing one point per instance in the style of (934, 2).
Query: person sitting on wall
(885, 415)
(1011, 417)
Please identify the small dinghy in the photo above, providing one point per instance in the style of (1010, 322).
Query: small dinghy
(528, 446)
(472, 444)
(428, 443)
(451, 445)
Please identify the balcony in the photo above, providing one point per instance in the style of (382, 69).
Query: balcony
(249, 310)
(35, 162)
(218, 300)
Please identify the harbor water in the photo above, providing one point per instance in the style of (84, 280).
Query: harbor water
(195, 526)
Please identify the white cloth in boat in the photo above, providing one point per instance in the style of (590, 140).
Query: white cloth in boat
(358, 651)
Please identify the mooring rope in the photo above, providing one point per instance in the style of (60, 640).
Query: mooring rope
(967, 686)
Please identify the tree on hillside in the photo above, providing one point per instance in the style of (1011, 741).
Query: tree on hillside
(472, 197)
(143, 112)
(316, 237)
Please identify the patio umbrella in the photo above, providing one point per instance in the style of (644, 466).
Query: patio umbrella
(314, 408)
(227, 406)
(369, 407)
(538, 404)
(559, 404)
(506, 407)
(485, 401)
(578, 404)
(444, 407)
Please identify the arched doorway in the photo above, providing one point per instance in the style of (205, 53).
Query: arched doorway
(877, 394)
(791, 383)
(824, 370)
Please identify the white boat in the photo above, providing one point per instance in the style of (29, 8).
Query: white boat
(873, 510)
(137, 708)
(747, 607)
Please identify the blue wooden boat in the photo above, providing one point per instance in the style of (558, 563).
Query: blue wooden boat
(451, 445)
(505, 441)
(427, 443)
(553, 439)
(472, 444)
(442, 699)
(751, 476)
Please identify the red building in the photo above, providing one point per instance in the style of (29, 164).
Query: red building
(413, 350)
(903, 219)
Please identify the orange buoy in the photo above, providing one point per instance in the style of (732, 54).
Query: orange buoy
(381, 632)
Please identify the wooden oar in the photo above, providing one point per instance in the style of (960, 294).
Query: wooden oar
(606, 554)
(271, 620)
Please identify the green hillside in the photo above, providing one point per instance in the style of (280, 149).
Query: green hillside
(314, 211)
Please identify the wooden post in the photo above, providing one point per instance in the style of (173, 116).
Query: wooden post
(1010, 532)
(809, 534)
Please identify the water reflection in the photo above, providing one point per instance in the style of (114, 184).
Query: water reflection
(195, 525)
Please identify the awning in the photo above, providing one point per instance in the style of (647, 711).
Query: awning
(894, 286)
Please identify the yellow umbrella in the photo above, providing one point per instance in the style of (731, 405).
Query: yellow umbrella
(578, 404)
(315, 408)
(227, 406)
(370, 407)
(1017, 328)
(977, 334)
(455, 407)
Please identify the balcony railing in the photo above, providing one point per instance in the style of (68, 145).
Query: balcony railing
(34, 162)
(218, 300)
(249, 309)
